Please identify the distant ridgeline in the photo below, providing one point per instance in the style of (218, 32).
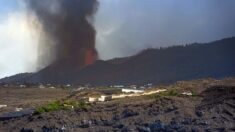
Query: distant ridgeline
(157, 66)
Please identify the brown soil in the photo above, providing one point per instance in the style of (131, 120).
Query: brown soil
(15, 97)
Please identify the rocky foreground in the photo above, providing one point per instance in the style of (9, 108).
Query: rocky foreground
(211, 108)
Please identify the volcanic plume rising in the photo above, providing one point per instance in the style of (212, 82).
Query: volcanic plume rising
(68, 25)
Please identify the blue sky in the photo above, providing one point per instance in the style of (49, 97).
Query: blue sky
(7, 6)
(124, 27)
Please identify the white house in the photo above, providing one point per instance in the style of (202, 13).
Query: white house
(22, 86)
(41, 86)
(104, 98)
(187, 93)
(3, 106)
(132, 91)
(93, 99)
(118, 86)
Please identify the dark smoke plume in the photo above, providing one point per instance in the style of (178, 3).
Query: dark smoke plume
(67, 23)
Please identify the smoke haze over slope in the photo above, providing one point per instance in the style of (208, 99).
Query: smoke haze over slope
(124, 27)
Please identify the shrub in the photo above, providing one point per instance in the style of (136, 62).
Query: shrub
(66, 105)
(194, 93)
(171, 92)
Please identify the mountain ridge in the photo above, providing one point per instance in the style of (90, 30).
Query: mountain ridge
(157, 66)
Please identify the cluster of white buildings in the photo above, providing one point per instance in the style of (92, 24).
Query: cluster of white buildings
(125, 93)
(132, 91)
(149, 85)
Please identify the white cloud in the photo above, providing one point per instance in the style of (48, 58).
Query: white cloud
(18, 52)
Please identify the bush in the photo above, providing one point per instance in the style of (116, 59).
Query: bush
(194, 93)
(171, 92)
(66, 105)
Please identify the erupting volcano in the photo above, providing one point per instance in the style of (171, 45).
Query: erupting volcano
(67, 51)
(68, 33)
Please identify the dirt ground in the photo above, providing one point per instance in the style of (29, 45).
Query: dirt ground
(28, 97)
(212, 109)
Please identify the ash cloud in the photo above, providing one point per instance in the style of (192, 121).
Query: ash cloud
(67, 34)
